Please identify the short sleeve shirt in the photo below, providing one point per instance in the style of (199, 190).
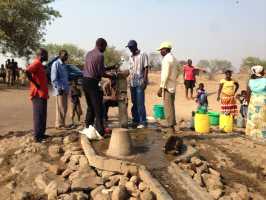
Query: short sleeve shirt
(228, 87)
(39, 76)
(189, 73)
(137, 64)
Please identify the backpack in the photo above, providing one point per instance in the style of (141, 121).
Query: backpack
(74, 73)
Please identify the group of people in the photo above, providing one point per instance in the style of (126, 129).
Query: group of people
(94, 70)
(11, 73)
(97, 101)
(252, 101)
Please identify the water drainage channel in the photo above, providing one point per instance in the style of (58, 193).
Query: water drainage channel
(148, 145)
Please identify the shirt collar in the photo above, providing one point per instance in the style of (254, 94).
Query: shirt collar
(60, 61)
(37, 60)
(96, 49)
(167, 55)
(136, 54)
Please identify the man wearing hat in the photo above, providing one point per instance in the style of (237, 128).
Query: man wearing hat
(167, 89)
(138, 83)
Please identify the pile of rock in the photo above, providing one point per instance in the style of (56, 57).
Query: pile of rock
(74, 179)
(122, 186)
(204, 174)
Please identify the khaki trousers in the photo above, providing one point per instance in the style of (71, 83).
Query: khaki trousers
(9, 76)
(169, 107)
(61, 110)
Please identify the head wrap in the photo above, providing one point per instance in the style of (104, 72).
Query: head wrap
(256, 70)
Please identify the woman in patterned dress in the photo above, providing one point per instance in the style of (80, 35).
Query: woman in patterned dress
(256, 119)
(226, 94)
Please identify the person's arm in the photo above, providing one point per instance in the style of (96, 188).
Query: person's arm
(184, 73)
(109, 68)
(29, 76)
(237, 87)
(219, 91)
(32, 69)
(146, 70)
(102, 70)
(248, 93)
(200, 69)
(109, 75)
(107, 91)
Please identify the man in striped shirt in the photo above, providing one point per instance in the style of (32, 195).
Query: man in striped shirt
(138, 83)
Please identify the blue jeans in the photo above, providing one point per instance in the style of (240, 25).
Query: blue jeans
(138, 109)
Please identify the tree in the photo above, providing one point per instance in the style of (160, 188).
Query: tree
(155, 60)
(214, 66)
(22, 25)
(248, 62)
(113, 56)
(76, 55)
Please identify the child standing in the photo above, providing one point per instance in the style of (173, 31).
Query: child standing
(202, 98)
(242, 97)
(75, 94)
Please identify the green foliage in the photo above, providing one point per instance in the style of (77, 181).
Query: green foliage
(214, 66)
(248, 62)
(22, 24)
(113, 56)
(76, 55)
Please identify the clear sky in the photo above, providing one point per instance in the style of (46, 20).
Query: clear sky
(198, 29)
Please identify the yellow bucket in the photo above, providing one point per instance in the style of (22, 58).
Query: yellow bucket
(202, 123)
(226, 123)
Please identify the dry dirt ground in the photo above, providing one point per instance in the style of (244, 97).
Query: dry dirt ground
(238, 159)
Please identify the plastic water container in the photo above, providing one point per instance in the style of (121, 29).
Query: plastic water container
(214, 118)
(226, 123)
(158, 111)
(202, 123)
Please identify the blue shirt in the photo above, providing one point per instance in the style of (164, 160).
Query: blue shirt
(258, 86)
(59, 77)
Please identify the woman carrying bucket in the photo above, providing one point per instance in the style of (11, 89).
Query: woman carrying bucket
(256, 120)
(226, 94)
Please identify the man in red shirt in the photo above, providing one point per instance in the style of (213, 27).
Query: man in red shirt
(38, 93)
(189, 77)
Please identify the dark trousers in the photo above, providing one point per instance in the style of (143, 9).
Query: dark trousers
(94, 98)
(39, 116)
(106, 105)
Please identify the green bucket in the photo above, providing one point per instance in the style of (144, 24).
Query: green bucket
(202, 110)
(214, 118)
(158, 111)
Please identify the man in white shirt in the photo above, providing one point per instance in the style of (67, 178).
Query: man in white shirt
(169, 73)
